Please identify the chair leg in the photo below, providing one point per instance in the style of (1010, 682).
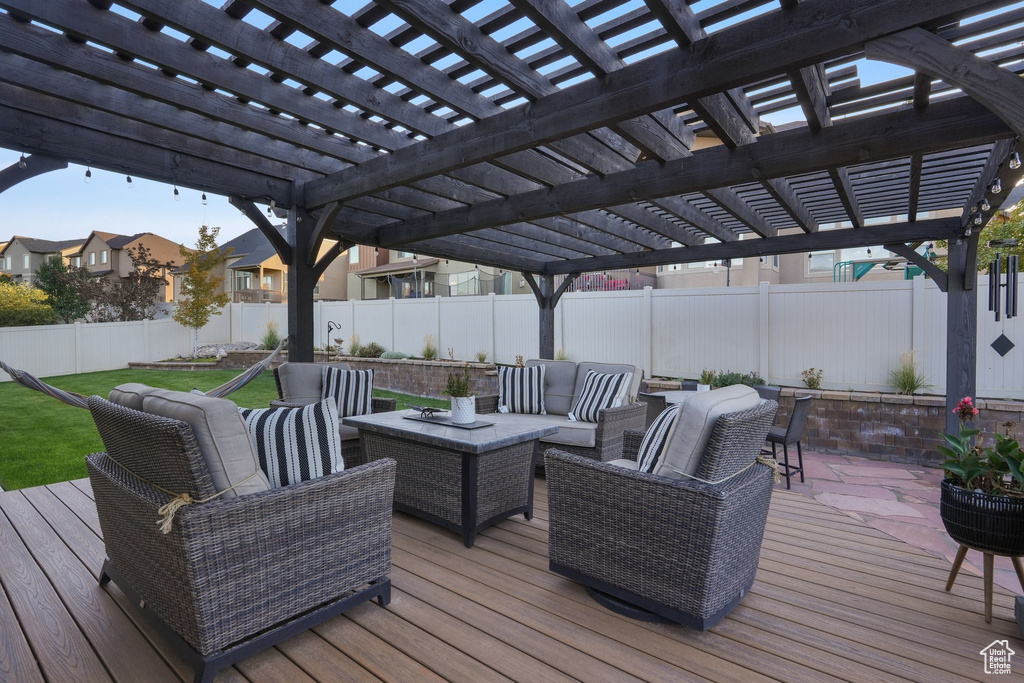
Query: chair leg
(785, 459)
(960, 555)
(800, 460)
(989, 570)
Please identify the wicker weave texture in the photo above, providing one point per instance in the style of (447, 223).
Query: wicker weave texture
(429, 479)
(232, 567)
(690, 546)
(503, 480)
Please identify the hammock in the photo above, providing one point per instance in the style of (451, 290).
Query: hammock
(79, 401)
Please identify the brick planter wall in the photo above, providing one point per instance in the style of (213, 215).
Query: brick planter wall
(416, 377)
(883, 426)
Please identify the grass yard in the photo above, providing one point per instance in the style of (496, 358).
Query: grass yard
(45, 441)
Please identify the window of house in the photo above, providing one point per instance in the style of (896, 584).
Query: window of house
(268, 282)
(243, 280)
(78, 261)
(405, 254)
(103, 256)
(27, 261)
(353, 254)
(821, 262)
(316, 289)
(92, 259)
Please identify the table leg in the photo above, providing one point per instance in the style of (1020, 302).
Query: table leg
(469, 496)
(529, 486)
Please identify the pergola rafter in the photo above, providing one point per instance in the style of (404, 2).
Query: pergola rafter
(542, 137)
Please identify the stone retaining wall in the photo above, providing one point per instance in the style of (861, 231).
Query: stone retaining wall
(884, 426)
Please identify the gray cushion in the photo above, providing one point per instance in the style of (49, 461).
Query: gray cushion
(583, 434)
(301, 382)
(625, 464)
(689, 437)
(221, 434)
(130, 395)
(608, 369)
(347, 433)
(559, 382)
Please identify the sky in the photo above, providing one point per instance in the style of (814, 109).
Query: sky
(61, 205)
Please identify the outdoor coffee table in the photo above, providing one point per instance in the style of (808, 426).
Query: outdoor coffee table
(461, 479)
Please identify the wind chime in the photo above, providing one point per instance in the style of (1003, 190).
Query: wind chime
(1002, 291)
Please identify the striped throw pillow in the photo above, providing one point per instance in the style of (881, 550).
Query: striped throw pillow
(653, 444)
(521, 390)
(600, 391)
(295, 444)
(351, 390)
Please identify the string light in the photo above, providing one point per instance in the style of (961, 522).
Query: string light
(128, 179)
(375, 251)
(21, 161)
(204, 199)
(177, 195)
(978, 219)
(869, 251)
(984, 205)
(996, 187)
(88, 174)
(1015, 161)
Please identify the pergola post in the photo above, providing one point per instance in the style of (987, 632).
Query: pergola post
(961, 325)
(301, 280)
(547, 298)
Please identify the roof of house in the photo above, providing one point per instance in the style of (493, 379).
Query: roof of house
(160, 248)
(38, 246)
(399, 266)
(252, 246)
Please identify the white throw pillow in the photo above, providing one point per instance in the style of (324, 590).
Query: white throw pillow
(351, 390)
(295, 444)
(600, 392)
(521, 390)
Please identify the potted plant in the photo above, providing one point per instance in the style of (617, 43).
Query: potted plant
(463, 403)
(982, 502)
(706, 379)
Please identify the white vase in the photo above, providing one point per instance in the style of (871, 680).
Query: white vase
(703, 387)
(463, 410)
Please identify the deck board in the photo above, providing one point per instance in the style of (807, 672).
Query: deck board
(835, 599)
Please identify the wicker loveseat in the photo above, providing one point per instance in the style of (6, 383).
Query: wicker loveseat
(563, 383)
(247, 569)
(661, 547)
(300, 384)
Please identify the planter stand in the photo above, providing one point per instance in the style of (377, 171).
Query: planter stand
(989, 570)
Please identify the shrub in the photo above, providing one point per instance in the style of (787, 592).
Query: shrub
(394, 355)
(812, 378)
(481, 356)
(706, 377)
(21, 305)
(271, 337)
(371, 350)
(907, 377)
(561, 354)
(429, 351)
(458, 384)
(727, 379)
(519, 361)
(354, 345)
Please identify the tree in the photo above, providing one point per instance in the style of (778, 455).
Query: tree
(128, 298)
(23, 305)
(1004, 225)
(66, 288)
(200, 298)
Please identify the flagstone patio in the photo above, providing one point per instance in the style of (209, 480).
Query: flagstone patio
(900, 499)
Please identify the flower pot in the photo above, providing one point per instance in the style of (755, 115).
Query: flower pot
(983, 521)
(463, 410)
(703, 387)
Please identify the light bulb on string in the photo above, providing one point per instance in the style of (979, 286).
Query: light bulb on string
(1015, 161)
(996, 187)
(88, 174)
(22, 163)
(869, 251)
(978, 220)
(984, 205)
(177, 195)
(128, 179)
(204, 199)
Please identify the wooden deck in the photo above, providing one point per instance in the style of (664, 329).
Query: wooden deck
(834, 599)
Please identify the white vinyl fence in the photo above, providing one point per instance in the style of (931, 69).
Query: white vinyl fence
(855, 332)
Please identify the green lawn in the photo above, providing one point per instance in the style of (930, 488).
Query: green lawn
(45, 441)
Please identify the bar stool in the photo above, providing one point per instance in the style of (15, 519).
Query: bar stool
(792, 434)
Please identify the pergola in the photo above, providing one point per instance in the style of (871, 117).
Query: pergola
(539, 137)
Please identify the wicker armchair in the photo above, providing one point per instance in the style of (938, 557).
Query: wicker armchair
(611, 425)
(351, 450)
(235, 575)
(659, 548)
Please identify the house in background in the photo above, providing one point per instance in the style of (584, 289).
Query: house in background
(254, 273)
(106, 254)
(385, 273)
(21, 257)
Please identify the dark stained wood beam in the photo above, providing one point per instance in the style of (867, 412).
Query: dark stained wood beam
(946, 125)
(988, 83)
(932, 270)
(273, 235)
(323, 223)
(329, 257)
(844, 188)
(922, 90)
(810, 84)
(941, 228)
(916, 167)
(745, 53)
(34, 165)
(105, 150)
(997, 166)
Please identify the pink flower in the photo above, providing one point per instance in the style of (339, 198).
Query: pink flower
(965, 409)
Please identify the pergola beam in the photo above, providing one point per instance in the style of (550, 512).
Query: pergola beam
(273, 235)
(737, 55)
(940, 228)
(33, 165)
(932, 270)
(946, 125)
